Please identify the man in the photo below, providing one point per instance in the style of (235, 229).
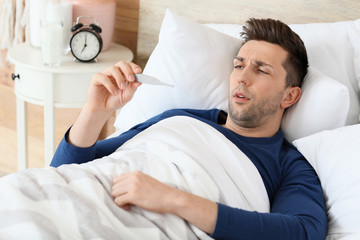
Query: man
(266, 80)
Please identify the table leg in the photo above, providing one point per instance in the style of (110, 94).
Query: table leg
(49, 120)
(22, 140)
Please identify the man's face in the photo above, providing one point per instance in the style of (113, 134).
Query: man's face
(257, 84)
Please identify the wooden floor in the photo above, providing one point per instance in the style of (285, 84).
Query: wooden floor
(8, 138)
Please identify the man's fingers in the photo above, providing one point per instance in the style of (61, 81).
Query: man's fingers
(101, 79)
(136, 68)
(119, 188)
(135, 174)
(115, 73)
(126, 184)
(121, 177)
(139, 189)
(121, 195)
(123, 73)
(122, 202)
(122, 184)
(127, 72)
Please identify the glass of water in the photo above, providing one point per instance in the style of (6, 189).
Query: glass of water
(51, 42)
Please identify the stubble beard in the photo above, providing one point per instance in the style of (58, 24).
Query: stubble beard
(256, 113)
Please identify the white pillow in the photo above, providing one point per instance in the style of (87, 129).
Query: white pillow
(324, 105)
(330, 51)
(194, 58)
(354, 35)
(335, 156)
(198, 61)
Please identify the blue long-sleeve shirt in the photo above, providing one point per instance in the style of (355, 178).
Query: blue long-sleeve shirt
(296, 199)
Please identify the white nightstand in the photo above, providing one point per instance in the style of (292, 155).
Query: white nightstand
(64, 86)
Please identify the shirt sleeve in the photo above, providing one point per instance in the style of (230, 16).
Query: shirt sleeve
(67, 153)
(297, 212)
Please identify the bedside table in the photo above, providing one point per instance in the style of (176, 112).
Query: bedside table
(65, 86)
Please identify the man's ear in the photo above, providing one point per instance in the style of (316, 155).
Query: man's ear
(291, 96)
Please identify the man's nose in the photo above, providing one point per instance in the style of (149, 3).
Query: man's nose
(245, 76)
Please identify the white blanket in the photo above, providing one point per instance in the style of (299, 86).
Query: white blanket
(74, 201)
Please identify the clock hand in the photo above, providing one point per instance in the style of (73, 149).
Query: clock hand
(85, 45)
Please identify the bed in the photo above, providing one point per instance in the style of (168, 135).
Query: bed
(323, 125)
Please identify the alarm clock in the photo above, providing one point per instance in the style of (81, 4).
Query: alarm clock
(86, 42)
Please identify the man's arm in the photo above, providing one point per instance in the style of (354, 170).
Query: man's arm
(297, 212)
(137, 188)
(108, 91)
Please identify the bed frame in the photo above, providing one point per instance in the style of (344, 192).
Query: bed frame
(237, 11)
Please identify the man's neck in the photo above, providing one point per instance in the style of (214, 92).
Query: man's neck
(268, 129)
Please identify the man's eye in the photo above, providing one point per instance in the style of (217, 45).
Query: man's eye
(262, 71)
(238, 66)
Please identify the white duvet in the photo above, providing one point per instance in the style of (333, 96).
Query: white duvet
(74, 201)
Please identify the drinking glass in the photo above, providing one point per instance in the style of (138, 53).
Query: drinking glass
(51, 42)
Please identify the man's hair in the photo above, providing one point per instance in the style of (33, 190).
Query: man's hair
(277, 32)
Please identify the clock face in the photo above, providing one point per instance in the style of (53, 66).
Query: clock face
(85, 45)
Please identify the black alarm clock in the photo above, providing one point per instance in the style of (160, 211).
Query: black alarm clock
(86, 42)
